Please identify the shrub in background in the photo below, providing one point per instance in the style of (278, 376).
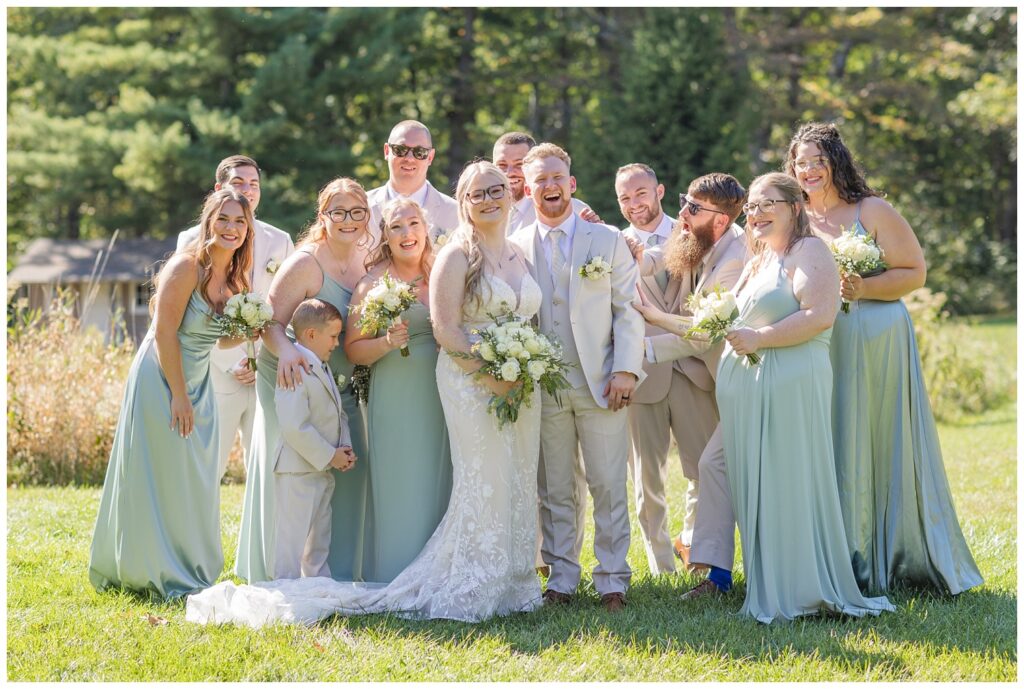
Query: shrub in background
(959, 371)
(64, 387)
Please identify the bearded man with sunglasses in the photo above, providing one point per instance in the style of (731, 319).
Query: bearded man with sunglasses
(410, 151)
(234, 383)
(706, 250)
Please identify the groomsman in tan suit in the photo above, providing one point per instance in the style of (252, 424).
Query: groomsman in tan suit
(677, 398)
(409, 152)
(709, 249)
(233, 383)
(602, 336)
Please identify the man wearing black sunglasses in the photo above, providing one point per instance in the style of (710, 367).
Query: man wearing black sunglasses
(706, 250)
(410, 151)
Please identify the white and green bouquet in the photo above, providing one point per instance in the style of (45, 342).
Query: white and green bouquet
(856, 254)
(384, 305)
(714, 314)
(512, 350)
(245, 315)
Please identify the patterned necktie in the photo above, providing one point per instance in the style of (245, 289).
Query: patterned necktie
(557, 257)
(661, 277)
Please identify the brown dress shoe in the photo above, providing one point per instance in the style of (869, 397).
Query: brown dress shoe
(702, 590)
(614, 602)
(683, 553)
(544, 571)
(553, 597)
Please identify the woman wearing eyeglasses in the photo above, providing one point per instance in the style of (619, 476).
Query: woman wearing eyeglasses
(900, 521)
(775, 417)
(327, 264)
(409, 461)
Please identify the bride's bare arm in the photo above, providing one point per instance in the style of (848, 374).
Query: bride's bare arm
(447, 292)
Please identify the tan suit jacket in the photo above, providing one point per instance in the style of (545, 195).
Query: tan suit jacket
(601, 311)
(722, 266)
(312, 420)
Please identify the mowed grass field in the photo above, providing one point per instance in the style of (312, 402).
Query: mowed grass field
(58, 628)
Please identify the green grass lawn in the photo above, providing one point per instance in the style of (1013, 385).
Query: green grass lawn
(58, 628)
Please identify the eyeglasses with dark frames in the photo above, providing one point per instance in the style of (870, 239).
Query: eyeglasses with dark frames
(343, 214)
(477, 196)
(764, 205)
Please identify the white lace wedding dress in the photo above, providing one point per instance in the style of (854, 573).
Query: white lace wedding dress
(480, 560)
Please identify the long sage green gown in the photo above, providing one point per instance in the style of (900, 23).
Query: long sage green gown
(158, 527)
(776, 427)
(900, 521)
(350, 526)
(410, 461)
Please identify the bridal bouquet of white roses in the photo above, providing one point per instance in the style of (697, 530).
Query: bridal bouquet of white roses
(245, 315)
(715, 314)
(384, 305)
(856, 254)
(513, 350)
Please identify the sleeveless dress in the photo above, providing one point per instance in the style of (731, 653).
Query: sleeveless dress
(900, 521)
(778, 447)
(158, 527)
(409, 460)
(349, 523)
(480, 560)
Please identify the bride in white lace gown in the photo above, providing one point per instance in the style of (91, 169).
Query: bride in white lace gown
(480, 560)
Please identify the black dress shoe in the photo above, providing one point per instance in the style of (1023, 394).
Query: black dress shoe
(553, 597)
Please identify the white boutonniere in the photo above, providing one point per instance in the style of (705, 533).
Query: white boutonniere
(272, 266)
(341, 380)
(595, 269)
(442, 239)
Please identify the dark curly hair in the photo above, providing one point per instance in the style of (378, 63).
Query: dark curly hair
(847, 178)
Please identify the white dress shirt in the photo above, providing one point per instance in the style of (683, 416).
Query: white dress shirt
(419, 196)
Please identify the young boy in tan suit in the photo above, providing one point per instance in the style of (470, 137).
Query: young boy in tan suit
(314, 438)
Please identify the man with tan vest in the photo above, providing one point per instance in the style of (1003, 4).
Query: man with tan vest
(587, 306)
(709, 249)
(677, 399)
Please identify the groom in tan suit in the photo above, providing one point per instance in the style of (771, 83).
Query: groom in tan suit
(708, 250)
(678, 397)
(602, 336)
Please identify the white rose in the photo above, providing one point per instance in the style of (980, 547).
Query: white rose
(532, 345)
(510, 370)
(272, 266)
(502, 347)
(536, 369)
(266, 313)
(724, 305)
(250, 313)
(515, 348)
(391, 301)
(487, 351)
(377, 291)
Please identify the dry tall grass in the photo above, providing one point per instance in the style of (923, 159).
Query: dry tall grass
(64, 387)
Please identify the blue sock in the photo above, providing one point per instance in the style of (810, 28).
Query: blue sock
(722, 578)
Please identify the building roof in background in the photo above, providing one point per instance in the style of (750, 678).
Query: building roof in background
(73, 260)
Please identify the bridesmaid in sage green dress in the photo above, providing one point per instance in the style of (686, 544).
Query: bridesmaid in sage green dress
(775, 418)
(409, 457)
(158, 527)
(900, 520)
(327, 264)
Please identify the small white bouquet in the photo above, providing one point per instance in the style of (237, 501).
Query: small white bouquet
(856, 254)
(245, 315)
(715, 314)
(595, 269)
(384, 305)
(513, 350)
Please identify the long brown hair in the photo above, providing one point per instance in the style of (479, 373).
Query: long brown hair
(382, 252)
(847, 178)
(316, 232)
(466, 234)
(199, 248)
(791, 193)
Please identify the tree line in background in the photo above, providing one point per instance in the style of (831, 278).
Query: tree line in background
(118, 116)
